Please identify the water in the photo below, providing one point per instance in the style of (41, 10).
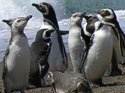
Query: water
(63, 9)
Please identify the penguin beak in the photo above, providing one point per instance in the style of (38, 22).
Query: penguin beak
(9, 22)
(6, 21)
(40, 7)
(85, 16)
(28, 17)
(35, 5)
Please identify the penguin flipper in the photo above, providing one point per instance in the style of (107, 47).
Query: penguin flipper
(85, 37)
(62, 48)
(5, 64)
(84, 55)
(122, 42)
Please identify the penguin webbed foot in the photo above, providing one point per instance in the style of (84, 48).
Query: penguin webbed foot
(98, 83)
(116, 72)
(54, 87)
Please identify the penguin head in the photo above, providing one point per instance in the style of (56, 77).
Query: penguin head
(44, 8)
(50, 77)
(84, 87)
(77, 17)
(18, 24)
(91, 18)
(106, 14)
(44, 35)
(89, 27)
(48, 13)
(47, 35)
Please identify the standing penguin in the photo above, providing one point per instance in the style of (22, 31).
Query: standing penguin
(58, 57)
(75, 42)
(39, 53)
(109, 18)
(98, 54)
(16, 62)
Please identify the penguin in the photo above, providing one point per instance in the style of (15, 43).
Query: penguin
(69, 82)
(98, 54)
(89, 29)
(109, 18)
(16, 62)
(57, 58)
(39, 65)
(75, 43)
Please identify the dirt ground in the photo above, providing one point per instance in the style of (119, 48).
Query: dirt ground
(119, 88)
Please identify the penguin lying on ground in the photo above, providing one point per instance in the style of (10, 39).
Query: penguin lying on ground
(16, 62)
(98, 54)
(69, 82)
(57, 57)
(75, 42)
(39, 65)
(109, 18)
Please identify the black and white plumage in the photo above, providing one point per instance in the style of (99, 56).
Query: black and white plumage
(75, 42)
(69, 82)
(109, 18)
(39, 54)
(98, 54)
(58, 57)
(89, 26)
(16, 62)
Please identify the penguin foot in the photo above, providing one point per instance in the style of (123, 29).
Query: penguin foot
(98, 83)
(116, 72)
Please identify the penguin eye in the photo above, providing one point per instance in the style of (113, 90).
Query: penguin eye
(107, 12)
(18, 20)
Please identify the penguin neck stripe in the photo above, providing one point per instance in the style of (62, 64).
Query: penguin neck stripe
(107, 23)
(51, 23)
(100, 26)
(113, 27)
(47, 11)
(85, 31)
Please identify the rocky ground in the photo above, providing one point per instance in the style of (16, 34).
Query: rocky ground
(118, 88)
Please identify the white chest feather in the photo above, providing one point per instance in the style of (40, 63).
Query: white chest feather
(18, 51)
(18, 63)
(76, 46)
(99, 55)
(74, 37)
